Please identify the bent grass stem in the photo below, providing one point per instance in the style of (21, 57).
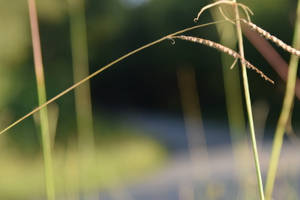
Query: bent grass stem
(104, 68)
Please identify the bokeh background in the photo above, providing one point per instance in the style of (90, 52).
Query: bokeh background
(149, 133)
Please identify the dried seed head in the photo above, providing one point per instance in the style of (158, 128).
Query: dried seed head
(272, 38)
(224, 49)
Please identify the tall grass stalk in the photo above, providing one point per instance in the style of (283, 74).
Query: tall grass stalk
(44, 123)
(248, 103)
(232, 87)
(167, 37)
(82, 94)
(81, 70)
(235, 112)
(285, 112)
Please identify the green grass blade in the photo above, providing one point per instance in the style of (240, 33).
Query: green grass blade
(83, 103)
(248, 105)
(103, 69)
(235, 112)
(285, 112)
(44, 123)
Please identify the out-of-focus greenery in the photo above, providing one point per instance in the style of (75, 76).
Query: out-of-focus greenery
(120, 158)
(114, 28)
(144, 81)
(13, 42)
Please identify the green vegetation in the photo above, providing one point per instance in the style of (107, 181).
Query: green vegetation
(101, 156)
(42, 97)
(286, 112)
(123, 157)
(248, 104)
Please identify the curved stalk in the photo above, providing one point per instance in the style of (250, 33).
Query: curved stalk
(103, 69)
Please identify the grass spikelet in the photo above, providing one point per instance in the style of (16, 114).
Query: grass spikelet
(253, 26)
(271, 37)
(226, 50)
(264, 34)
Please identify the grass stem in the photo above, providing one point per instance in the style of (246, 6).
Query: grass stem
(44, 123)
(103, 69)
(248, 104)
(83, 100)
(235, 111)
(285, 112)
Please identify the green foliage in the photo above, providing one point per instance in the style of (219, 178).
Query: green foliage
(118, 160)
(113, 28)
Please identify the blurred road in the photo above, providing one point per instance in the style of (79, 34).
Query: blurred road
(216, 178)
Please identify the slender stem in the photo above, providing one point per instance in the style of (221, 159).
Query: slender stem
(285, 112)
(248, 104)
(103, 69)
(39, 72)
(83, 102)
(235, 111)
(81, 70)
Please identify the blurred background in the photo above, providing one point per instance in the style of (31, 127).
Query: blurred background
(166, 123)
